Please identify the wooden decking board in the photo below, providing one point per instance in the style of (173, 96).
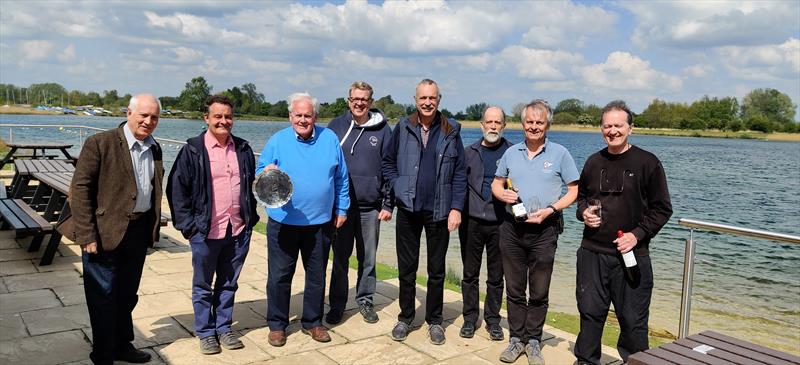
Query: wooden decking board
(644, 358)
(741, 351)
(697, 356)
(672, 357)
(757, 348)
(720, 354)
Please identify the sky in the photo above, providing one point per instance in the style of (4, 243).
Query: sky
(500, 53)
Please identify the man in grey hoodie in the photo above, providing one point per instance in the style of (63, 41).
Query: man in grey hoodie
(363, 133)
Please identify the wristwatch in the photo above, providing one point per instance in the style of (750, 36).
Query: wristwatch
(555, 211)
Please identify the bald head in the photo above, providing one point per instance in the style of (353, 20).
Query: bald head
(144, 111)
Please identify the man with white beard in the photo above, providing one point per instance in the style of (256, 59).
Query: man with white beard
(485, 213)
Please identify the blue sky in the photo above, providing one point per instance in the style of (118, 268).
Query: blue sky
(501, 53)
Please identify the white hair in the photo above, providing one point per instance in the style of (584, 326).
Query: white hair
(135, 100)
(304, 95)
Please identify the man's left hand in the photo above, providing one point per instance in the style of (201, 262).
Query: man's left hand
(626, 243)
(385, 215)
(539, 216)
(453, 220)
(340, 220)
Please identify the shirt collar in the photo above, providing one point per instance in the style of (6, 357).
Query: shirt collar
(210, 141)
(313, 135)
(145, 144)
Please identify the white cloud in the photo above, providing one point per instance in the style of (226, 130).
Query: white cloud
(35, 50)
(698, 70)
(357, 60)
(623, 71)
(68, 54)
(540, 64)
(562, 24)
(697, 24)
(195, 28)
(186, 55)
(763, 63)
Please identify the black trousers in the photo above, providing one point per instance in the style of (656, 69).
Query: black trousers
(409, 229)
(528, 253)
(110, 282)
(480, 234)
(601, 279)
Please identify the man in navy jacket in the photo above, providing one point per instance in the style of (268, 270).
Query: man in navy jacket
(210, 194)
(426, 171)
(363, 133)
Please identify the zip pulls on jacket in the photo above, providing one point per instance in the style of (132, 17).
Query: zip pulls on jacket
(374, 118)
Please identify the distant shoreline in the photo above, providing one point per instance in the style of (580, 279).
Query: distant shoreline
(782, 137)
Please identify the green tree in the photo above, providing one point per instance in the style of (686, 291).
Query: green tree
(776, 106)
(253, 99)
(279, 109)
(110, 98)
(715, 113)
(194, 94)
(93, 98)
(333, 109)
(475, 111)
(760, 123)
(237, 98)
(47, 93)
(447, 113)
(572, 106)
(564, 118)
(661, 114)
(169, 102)
(594, 112)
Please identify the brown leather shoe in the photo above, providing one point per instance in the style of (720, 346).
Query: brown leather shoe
(319, 334)
(277, 338)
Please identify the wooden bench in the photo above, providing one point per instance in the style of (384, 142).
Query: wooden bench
(25, 221)
(709, 347)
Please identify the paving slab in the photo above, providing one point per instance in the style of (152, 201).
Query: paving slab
(71, 295)
(13, 254)
(469, 358)
(52, 348)
(186, 352)
(63, 263)
(3, 288)
(43, 280)
(310, 357)
(18, 267)
(28, 300)
(12, 327)
(157, 330)
(353, 327)
(454, 346)
(170, 266)
(57, 319)
(162, 304)
(382, 350)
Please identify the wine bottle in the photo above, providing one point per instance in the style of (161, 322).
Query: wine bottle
(518, 209)
(628, 257)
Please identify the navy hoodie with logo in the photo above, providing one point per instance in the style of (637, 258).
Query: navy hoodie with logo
(364, 147)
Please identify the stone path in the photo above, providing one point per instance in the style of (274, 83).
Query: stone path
(43, 317)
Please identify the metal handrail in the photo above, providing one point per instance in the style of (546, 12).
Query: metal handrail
(79, 127)
(689, 255)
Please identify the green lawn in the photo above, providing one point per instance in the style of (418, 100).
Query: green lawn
(563, 321)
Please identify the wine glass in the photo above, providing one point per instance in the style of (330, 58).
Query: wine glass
(597, 207)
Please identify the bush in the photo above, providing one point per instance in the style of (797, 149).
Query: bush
(790, 128)
(734, 125)
(760, 123)
(692, 124)
(587, 119)
(564, 118)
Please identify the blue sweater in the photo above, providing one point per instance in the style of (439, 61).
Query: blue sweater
(318, 172)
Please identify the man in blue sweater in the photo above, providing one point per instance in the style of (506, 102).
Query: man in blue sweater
(363, 134)
(426, 170)
(312, 158)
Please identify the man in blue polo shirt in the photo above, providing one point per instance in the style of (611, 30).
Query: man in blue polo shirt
(312, 158)
(539, 169)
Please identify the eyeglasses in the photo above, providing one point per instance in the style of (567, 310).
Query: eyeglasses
(359, 100)
(613, 180)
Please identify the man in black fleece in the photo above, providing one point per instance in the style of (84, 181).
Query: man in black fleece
(362, 133)
(631, 185)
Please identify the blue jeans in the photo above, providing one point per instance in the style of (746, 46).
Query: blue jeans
(284, 243)
(110, 282)
(223, 258)
(363, 226)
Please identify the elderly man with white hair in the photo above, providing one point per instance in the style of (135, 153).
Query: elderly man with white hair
(312, 158)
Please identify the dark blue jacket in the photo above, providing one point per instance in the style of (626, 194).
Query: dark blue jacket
(363, 147)
(189, 188)
(493, 209)
(401, 165)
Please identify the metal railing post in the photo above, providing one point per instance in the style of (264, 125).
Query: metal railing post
(11, 135)
(686, 291)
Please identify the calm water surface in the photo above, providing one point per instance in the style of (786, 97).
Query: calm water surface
(745, 287)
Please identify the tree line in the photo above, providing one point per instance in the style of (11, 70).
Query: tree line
(767, 110)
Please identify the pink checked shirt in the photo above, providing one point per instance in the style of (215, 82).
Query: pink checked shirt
(225, 184)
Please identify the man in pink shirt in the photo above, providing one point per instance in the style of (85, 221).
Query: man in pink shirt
(211, 199)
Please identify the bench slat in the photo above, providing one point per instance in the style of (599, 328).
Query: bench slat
(43, 224)
(9, 216)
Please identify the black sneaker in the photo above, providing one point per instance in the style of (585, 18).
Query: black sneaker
(400, 331)
(467, 330)
(495, 332)
(230, 341)
(132, 355)
(436, 334)
(334, 316)
(209, 345)
(368, 312)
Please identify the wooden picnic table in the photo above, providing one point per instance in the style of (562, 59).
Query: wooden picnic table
(25, 168)
(36, 147)
(709, 347)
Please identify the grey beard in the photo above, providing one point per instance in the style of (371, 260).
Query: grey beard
(492, 137)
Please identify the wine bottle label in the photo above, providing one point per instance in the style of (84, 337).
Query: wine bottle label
(519, 210)
(629, 258)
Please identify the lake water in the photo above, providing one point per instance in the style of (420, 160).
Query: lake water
(748, 288)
